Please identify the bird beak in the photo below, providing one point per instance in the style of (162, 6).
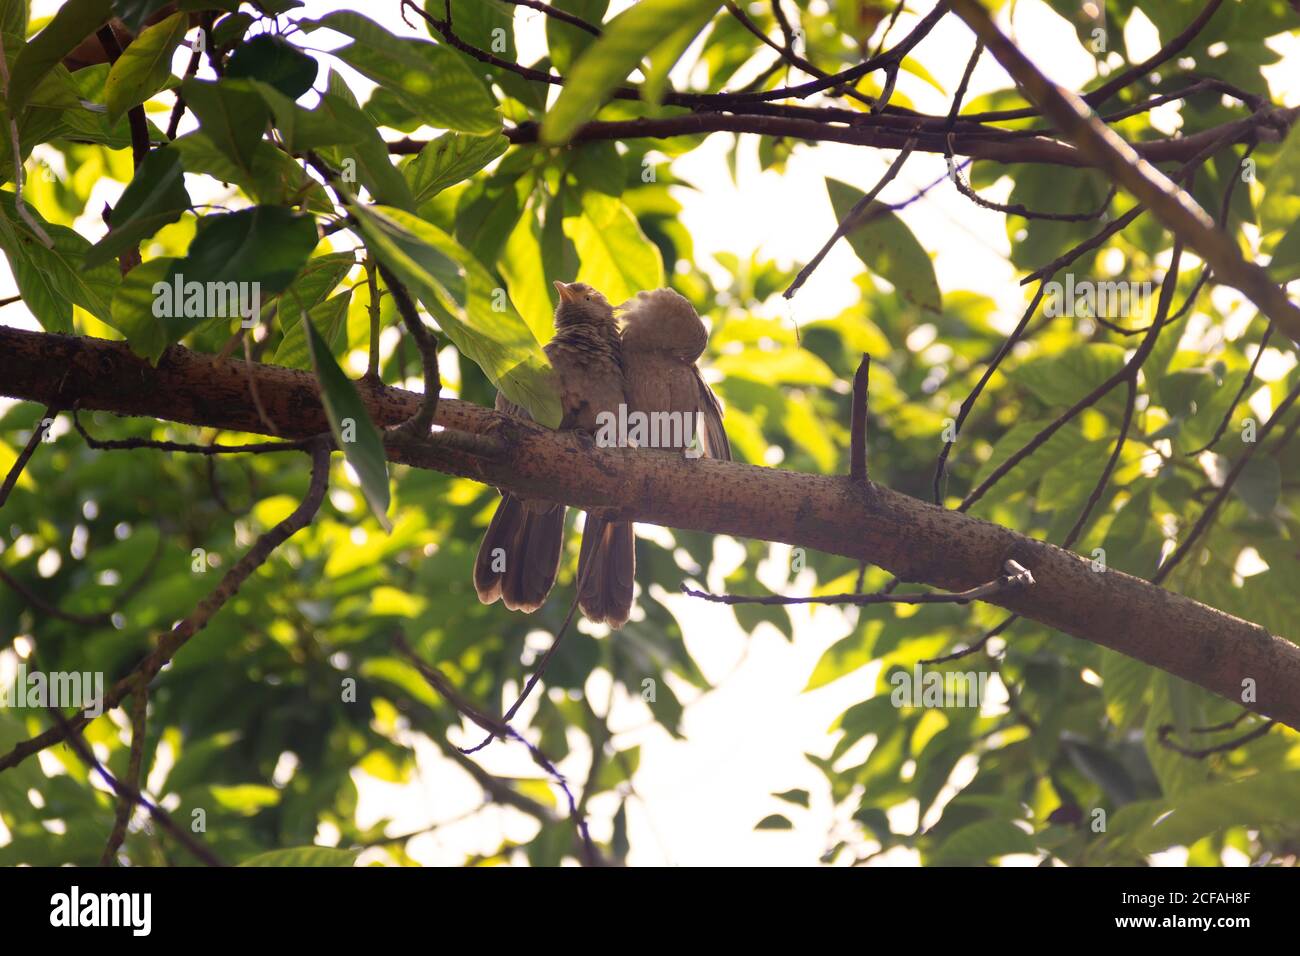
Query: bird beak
(566, 292)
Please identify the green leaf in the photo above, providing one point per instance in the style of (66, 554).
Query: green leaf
(353, 430)
(275, 61)
(228, 30)
(887, 247)
(305, 856)
(665, 56)
(155, 197)
(144, 66)
(369, 156)
(1284, 265)
(459, 293)
(431, 80)
(522, 265)
(267, 245)
(1279, 205)
(1063, 379)
(1258, 801)
(783, 366)
(615, 254)
(606, 63)
(1260, 484)
(72, 23)
(274, 179)
(774, 821)
(132, 310)
(799, 797)
(982, 841)
(1124, 685)
(13, 18)
(1104, 769)
(134, 13)
(232, 116)
(53, 280)
(449, 159)
(567, 42)
(330, 316)
(305, 129)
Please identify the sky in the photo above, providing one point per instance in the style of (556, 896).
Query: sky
(697, 799)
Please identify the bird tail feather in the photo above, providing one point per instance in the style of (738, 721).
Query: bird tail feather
(520, 554)
(606, 571)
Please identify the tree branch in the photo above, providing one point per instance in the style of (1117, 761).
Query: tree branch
(863, 521)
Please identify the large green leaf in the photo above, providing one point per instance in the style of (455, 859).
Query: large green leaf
(615, 254)
(144, 66)
(74, 21)
(429, 79)
(231, 114)
(154, 198)
(275, 61)
(567, 42)
(353, 430)
(887, 247)
(52, 280)
(448, 159)
(606, 63)
(460, 294)
(267, 245)
(522, 265)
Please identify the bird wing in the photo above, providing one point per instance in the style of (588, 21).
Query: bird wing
(715, 436)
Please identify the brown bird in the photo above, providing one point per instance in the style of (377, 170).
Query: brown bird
(662, 338)
(520, 554)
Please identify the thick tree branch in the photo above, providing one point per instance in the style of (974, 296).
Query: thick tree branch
(912, 539)
(892, 132)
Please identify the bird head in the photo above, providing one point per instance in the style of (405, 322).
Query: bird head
(663, 320)
(580, 304)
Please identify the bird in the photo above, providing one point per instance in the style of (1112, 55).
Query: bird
(520, 554)
(662, 338)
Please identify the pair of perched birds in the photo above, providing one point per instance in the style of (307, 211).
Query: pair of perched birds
(650, 368)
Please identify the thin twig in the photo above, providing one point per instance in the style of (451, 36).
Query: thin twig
(126, 803)
(853, 219)
(1016, 577)
(124, 791)
(858, 423)
(1166, 730)
(131, 444)
(38, 434)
